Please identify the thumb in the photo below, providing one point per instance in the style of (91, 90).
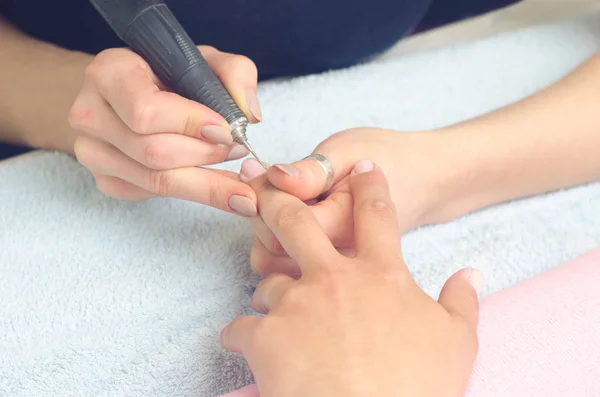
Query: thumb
(307, 179)
(460, 295)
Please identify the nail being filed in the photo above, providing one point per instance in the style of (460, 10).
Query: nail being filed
(247, 146)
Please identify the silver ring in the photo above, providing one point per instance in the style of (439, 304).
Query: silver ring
(327, 168)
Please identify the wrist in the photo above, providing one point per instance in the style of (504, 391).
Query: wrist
(68, 70)
(436, 176)
(45, 80)
(473, 167)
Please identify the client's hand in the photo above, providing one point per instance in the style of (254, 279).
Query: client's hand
(354, 327)
(140, 140)
(410, 160)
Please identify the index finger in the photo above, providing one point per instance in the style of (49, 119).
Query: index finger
(376, 230)
(294, 225)
(128, 84)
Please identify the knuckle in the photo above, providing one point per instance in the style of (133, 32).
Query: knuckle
(143, 115)
(244, 62)
(262, 334)
(266, 287)
(259, 262)
(259, 266)
(333, 280)
(292, 296)
(381, 208)
(106, 56)
(156, 155)
(239, 65)
(102, 63)
(291, 216)
(161, 182)
(335, 292)
(105, 186)
(206, 49)
(81, 116)
(96, 68)
(215, 196)
(275, 247)
(192, 125)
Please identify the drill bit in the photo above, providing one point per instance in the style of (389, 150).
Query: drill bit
(238, 132)
(245, 144)
(151, 30)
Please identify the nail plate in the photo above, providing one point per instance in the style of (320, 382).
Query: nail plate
(237, 152)
(217, 134)
(221, 333)
(253, 105)
(363, 166)
(243, 206)
(288, 169)
(476, 279)
(251, 168)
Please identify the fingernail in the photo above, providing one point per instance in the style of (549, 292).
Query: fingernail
(243, 206)
(476, 279)
(221, 332)
(217, 134)
(253, 105)
(363, 166)
(237, 152)
(288, 169)
(251, 168)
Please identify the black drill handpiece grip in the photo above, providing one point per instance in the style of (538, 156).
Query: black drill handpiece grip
(151, 30)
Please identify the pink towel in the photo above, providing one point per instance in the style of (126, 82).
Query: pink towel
(539, 338)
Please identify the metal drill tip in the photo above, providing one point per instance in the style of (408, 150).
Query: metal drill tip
(247, 146)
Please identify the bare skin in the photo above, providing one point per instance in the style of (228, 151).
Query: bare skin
(355, 327)
(543, 143)
(137, 139)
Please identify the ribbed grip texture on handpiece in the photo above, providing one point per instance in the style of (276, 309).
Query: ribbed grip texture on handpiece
(154, 33)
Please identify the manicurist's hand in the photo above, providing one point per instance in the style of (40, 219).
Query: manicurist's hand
(353, 327)
(413, 163)
(139, 140)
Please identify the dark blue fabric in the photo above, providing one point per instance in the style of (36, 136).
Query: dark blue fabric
(7, 151)
(283, 37)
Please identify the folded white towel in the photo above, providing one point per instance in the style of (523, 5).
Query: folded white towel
(105, 298)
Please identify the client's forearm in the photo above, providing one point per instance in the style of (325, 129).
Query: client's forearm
(39, 83)
(546, 142)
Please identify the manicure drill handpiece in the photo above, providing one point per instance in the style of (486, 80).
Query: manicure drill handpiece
(150, 29)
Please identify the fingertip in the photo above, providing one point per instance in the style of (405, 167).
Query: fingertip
(460, 295)
(475, 278)
(236, 152)
(288, 169)
(251, 169)
(243, 206)
(304, 179)
(299, 186)
(363, 166)
(254, 110)
(222, 332)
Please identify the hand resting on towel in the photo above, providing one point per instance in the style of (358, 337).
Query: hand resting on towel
(353, 327)
(546, 142)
